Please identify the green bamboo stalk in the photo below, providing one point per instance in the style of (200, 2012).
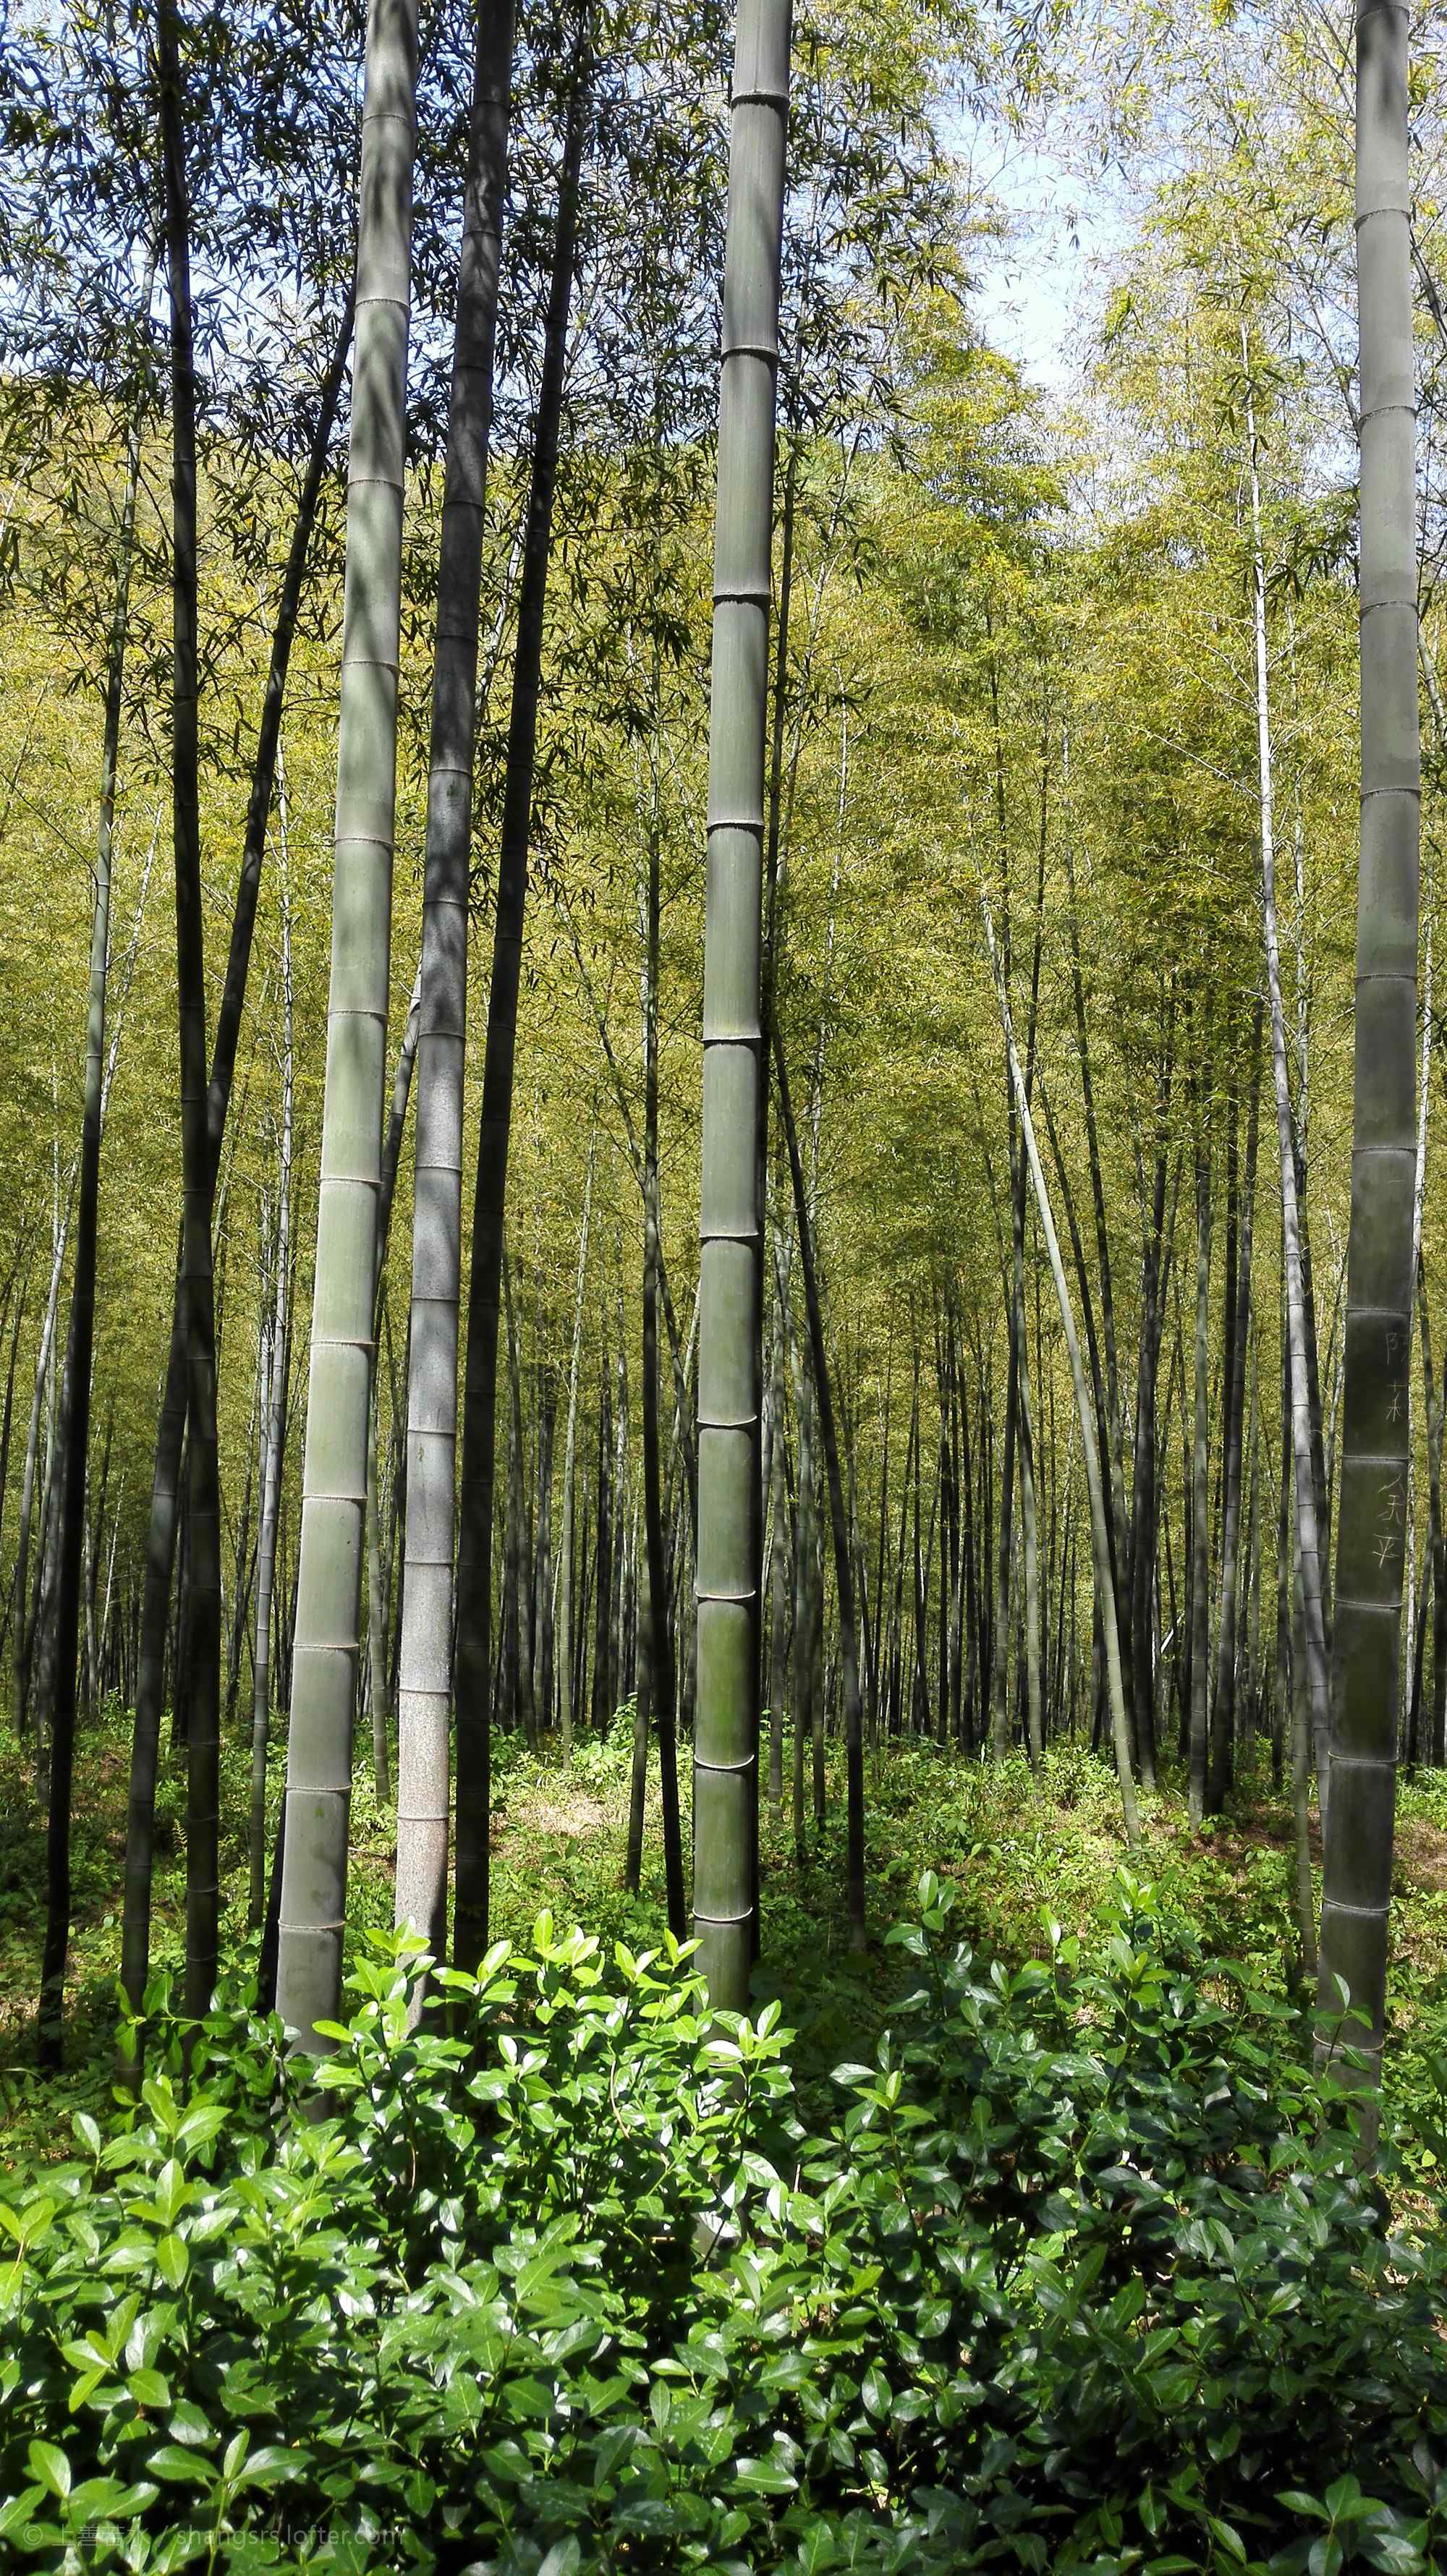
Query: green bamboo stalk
(726, 1722)
(1374, 1468)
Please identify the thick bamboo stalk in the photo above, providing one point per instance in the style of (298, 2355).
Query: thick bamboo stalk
(171, 1425)
(1368, 1592)
(327, 1639)
(473, 1650)
(727, 1717)
(425, 1648)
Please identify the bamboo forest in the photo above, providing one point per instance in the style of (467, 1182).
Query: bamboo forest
(723, 1287)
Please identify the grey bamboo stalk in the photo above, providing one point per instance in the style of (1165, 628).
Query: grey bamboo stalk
(601, 1705)
(171, 1427)
(1031, 1545)
(1144, 1503)
(1223, 1706)
(379, 1569)
(325, 1653)
(47, 1562)
(540, 1552)
(104, 1628)
(519, 1520)
(1291, 1666)
(1436, 1752)
(726, 1725)
(638, 1162)
(805, 1546)
(642, 1712)
(6, 1418)
(1413, 1656)
(1007, 1566)
(661, 1659)
(1200, 1488)
(21, 1610)
(799, 1807)
(1089, 1440)
(779, 1605)
(1249, 1581)
(425, 1652)
(1004, 1566)
(1308, 1539)
(1368, 1593)
(618, 1606)
(275, 1435)
(82, 1316)
(379, 1565)
(472, 1652)
(838, 1522)
(570, 1455)
(374, 1678)
(92, 1530)
(1097, 1190)
(243, 1553)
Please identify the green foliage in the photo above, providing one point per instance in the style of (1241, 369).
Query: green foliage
(1080, 2276)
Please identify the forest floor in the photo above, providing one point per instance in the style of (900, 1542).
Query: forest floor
(1023, 1849)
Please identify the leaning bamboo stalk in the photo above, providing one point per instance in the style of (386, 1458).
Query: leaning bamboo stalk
(1089, 1439)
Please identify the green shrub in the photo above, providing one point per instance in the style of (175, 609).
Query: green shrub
(1081, 2278)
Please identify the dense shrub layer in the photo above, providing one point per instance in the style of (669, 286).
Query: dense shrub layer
(1082, 2278)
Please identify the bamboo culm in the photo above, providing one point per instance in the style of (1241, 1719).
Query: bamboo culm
(726, 1726)
(425, 1646)
(1374, 1467)
(326, 1647)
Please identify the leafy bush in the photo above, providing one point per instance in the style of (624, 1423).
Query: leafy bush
(1081, 2278)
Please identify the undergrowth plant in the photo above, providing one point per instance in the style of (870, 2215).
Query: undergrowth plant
(1081, 2275)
